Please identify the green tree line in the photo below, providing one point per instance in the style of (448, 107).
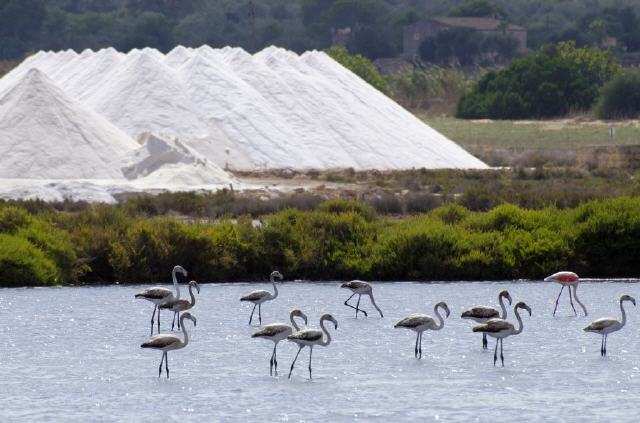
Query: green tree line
(338, 240)
(30, 25)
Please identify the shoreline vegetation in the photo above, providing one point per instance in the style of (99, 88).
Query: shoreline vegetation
(336, 240)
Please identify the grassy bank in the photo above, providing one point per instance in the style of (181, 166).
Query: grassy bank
(548, 134)
(339, 240)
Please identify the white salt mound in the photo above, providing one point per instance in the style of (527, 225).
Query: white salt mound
(271, 110)
(165, 160)
(44, 134)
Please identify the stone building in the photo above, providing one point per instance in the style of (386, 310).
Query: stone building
(415, 33)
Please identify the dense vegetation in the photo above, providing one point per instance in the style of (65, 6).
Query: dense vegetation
(552, 82)
(28, 25)
(339, 240)
(620, 97)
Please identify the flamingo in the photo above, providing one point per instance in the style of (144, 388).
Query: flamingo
(360, 288)
(310, 338)
(179, 305)
(482, 314)
(276, 332)
(159, 295)
(571, 280)
(260, 296)
(605, 325)
(169, 342)
(421, 322)
(500, 329)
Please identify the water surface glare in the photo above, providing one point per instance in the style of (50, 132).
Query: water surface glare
(74, 353)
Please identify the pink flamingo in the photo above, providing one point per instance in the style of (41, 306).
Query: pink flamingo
(571, 280)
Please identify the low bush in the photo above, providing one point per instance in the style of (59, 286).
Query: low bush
(620, 97)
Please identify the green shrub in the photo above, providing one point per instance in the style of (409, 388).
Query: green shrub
(361, 66)
(551, 82)
(620, 97)
(23, 264)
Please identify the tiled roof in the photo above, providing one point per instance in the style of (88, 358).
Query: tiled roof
(481, 24)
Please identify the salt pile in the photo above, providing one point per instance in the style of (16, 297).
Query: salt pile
(166, 161)
(46, 134)
(274, 109)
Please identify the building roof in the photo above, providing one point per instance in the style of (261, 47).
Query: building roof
(480, 24)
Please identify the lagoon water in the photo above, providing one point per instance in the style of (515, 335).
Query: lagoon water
(73, 354)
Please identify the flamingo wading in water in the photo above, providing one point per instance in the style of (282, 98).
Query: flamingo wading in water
(571, 280)
(260, 296)
(159, 295)
(180, 304)
(310, 338)
(605, 325)
(276, 332)
(421, 322)
(361, 288)
(169, 342)
(482, 314)
(500, 329)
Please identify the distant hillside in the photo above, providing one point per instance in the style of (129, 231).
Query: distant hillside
(29, 25)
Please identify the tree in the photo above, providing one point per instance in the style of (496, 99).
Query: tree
(359, 65)
(478, 8)
(620, 97)
(549, 83)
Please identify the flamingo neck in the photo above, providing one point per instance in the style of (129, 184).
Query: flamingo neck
(440, 325)
(184, 331)
(374, 304)
(575, 295)
(275, 288)
(624, 314)
(293, 322)
(520, 324)
(328, 341)
(174, 276)
(193, 297)
(503, 315)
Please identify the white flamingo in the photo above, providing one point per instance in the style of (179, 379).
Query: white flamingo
(421, 322)
(260, 296)
(605, 325)
(180, 305)
(500, 329)
(276, 332)
(571, 280)
(159, 295)
(361, 288)
(310, 338)
(169, 342)
(482, 314)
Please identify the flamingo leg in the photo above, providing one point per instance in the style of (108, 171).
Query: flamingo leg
(420, 346)
(310, 355)
(173, 322)
(484, 341)
(349, 305)
(495, 353)
(606, 339)
(501, 347)
(275, 358)
(416, 350)
(271, 360)
(158, 319)
(153, 318)
(602, 346)
(260, 313)
(558, 299)
(358, 305)
(251, 317)
(294, 361)
(571, 301)
(166, 363)
(160, 368)
(178, 319)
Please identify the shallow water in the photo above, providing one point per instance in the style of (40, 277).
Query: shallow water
(74, 353)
